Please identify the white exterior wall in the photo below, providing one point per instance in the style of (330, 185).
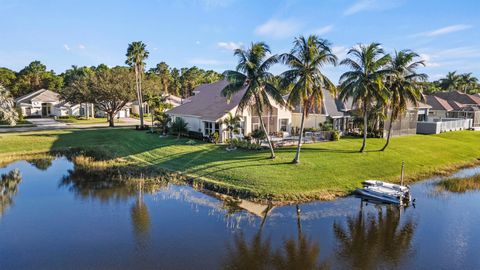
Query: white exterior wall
(194, 123)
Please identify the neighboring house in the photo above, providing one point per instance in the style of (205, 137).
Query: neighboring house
(332, 109)
(46, 103)
(122, 113)
(170, 99)
(207, 108)
(406, 124)
(455, 104)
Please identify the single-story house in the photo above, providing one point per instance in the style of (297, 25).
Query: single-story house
(406, 124)
(455, 104)
(170, 99)
(122, 113)
(46, 103)
(207, 108)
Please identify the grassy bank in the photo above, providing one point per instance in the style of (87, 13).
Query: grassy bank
(327, 170)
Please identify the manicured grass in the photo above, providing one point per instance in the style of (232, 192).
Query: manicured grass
(84, 121)
(20, 123)
(326, 169)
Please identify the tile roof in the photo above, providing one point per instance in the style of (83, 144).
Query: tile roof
(42, 95)
(438, 103)
(208, 103)
(459, 97)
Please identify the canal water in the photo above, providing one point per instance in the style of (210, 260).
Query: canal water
(53, 220)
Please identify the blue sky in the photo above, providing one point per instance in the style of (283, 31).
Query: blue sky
(204, 32)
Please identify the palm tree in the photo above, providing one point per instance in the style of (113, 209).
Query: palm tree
(7, 107)
(252, 76)
(306, 60)
(451, 82)
(402, 85)
(136, 54)
(468, 81)
(233, 125)
(364, 82)
(179, 126)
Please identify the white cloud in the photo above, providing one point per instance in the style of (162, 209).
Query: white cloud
(230, 45)
(323, 30)
(447, 30)
(371, 5)
(81, 47)
(340, 52)
(206, 61)
(278, 28)
(67, 48)
(453, 58)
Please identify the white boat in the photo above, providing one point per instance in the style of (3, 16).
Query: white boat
(377, 183)
(385, 192)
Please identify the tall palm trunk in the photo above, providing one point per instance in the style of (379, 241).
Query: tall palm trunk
(272, 156)
(300, 139)
(139, 95)
(389, 131)
(365, 127)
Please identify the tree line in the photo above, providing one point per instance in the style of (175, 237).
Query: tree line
(453, 81)
(36, 76)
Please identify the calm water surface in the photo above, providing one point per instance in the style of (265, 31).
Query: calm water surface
(56, 222)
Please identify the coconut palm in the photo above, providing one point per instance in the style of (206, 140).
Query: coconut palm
(468, 81)
(306, 61)
(402, 85)
(451, 82)
(179, 126)
(232, 123)
(364, 82)
(7, 107)
(253, 77)
(136, 54)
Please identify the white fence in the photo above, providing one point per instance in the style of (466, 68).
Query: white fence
(436, 126)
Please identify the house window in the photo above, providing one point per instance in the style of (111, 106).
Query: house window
(283, 125)
(211, 127)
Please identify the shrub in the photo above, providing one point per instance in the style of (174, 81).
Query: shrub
(335, 135)
(244, 144)
(214, 137)
(195, 135)
(258, 134)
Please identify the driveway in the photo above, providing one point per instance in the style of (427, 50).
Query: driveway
(46, 122)
(51, 124)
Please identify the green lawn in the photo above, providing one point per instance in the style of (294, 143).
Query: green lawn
(84, 121)
(326, 169)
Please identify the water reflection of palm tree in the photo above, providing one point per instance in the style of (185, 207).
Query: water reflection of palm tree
(140, 218)
(374, 241)
(90, 186)
(8, 189)
(295, 253)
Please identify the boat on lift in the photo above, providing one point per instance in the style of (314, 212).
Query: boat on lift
(375, 190)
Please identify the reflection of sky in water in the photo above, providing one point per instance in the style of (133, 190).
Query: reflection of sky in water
(54, 227)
